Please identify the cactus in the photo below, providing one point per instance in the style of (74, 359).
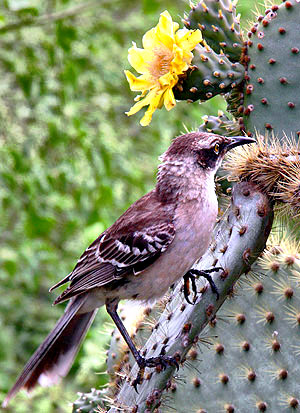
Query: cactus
(219, 25)
(220, 125)
(90, 402)
(274, 168)
(210, 75)
(266, 65)
(237, 245)
(273, 71)
(252, 363)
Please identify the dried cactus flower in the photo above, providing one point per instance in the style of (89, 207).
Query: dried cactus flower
(273, 165)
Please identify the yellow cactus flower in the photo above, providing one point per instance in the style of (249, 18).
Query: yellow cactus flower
(166, 54)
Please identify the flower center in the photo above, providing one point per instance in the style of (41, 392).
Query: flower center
(160, 65)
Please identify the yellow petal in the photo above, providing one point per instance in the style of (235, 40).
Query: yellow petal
(149, 39)
(180, 63)
(139, 97)
(181, 34)
(165, 30)
(139, 105)
(169, 79)
(154, 104)
(169, 99)
(166, 23)
(164, 38)
(140, 58)
(161, 102)
(187, 39)
(137, 83)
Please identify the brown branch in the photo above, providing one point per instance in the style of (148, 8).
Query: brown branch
(47, 18)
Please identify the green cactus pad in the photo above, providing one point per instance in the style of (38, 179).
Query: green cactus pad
(272, 98)
(210, 75)
(89, 402)
(220, 125)
(219, 25)
(252, 364)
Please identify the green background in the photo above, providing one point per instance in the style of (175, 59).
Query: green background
(71, 162)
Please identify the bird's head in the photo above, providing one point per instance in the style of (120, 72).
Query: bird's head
(190, 163)
(204, 150)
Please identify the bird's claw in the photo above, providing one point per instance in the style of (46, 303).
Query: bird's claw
(190, 276)
(186, 287)
(161, 360)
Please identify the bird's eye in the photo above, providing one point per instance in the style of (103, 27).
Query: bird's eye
(217, 149)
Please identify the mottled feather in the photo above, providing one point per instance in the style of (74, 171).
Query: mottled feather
(121, 250)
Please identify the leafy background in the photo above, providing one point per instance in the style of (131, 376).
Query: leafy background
(71, 162)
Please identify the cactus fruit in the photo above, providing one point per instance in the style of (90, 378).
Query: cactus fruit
(239, 239)
(219, 25)
(253, 362)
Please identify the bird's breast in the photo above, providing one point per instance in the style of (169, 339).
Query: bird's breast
(194, 223)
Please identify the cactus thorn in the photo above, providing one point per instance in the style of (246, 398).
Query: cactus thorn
(262, 406)
(204, 6)
(224, 379)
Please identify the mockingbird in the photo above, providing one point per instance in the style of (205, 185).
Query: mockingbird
(152, 245)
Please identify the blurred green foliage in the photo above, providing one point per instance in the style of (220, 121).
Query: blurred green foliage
(71, 161)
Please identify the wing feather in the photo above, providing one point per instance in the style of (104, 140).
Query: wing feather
(110, 258)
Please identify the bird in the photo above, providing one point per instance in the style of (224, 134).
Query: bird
(151, 246)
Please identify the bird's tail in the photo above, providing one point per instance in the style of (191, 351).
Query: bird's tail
(54, 357)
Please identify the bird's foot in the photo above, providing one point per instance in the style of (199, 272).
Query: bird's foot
(191, 275)
(187, 278)
(161, 361)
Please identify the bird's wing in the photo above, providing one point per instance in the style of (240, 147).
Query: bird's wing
(111, 257)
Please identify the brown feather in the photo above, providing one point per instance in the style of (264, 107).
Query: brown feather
(129, 246)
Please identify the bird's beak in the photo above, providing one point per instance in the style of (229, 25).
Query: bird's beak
(238, 140)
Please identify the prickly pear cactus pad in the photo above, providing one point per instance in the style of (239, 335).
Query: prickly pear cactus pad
(272, 98)
(92, 402)
(252, 364)
(210, 75)
(219, 24)
(221, 125)
(259, 74)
